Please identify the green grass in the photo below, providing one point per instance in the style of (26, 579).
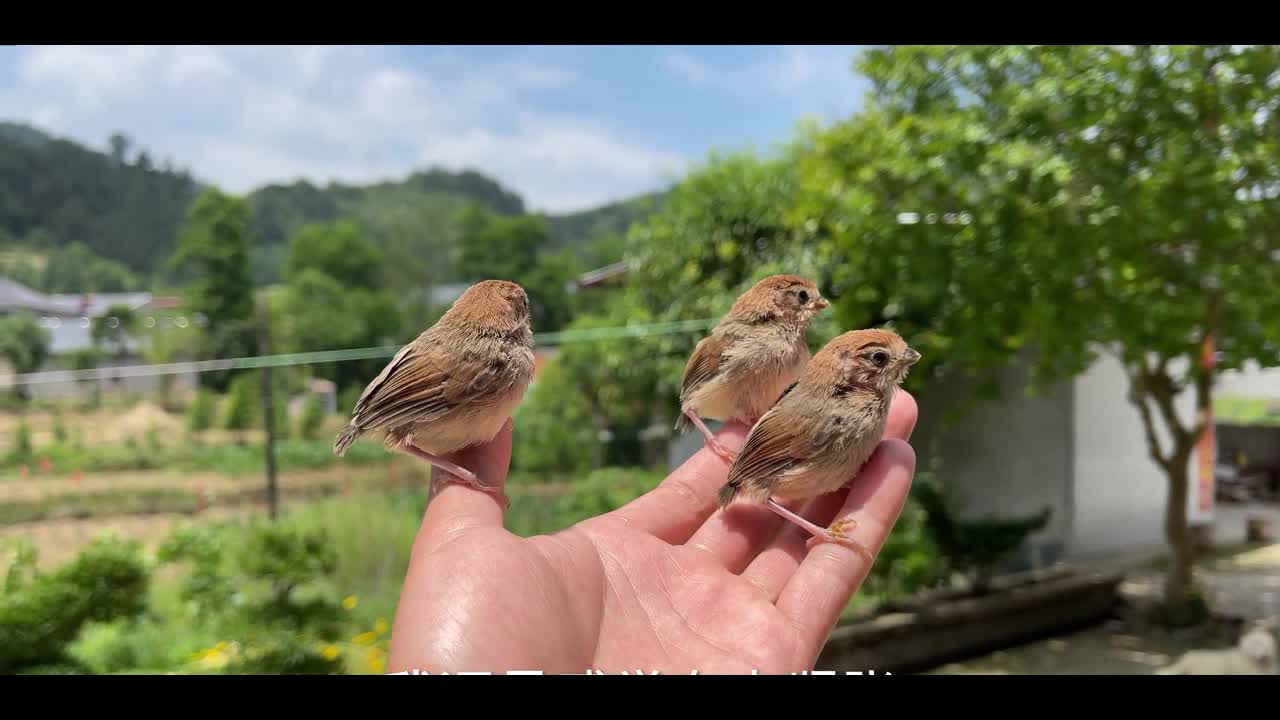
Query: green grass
(1241, 410)
(111, 502)
(227, 458)
(374, 534)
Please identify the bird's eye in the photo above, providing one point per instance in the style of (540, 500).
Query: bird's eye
(880, 357)
(804, 296)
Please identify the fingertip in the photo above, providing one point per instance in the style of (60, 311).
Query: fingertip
(898, 452)
(454, 504)
(903, 414)
(882, 485)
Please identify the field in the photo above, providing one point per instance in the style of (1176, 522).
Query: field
(88, 475)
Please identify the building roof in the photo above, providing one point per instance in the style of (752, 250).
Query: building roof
(15, 297)
(68, 317)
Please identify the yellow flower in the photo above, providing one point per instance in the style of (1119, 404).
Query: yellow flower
(349, 602)
(222, 645)
(380, 626)
(213, 658)
(376, 663)
(330, 653)
(364, 638)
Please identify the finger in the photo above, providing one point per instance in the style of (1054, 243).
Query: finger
(455, 505)
(828, 576)
(683, 501)
(737, 536)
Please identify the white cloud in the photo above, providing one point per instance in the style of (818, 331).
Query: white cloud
(693, 70)
(246, 116)
(820, 78)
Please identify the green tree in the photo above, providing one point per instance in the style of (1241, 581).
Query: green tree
(164, 341)
(551, 304)
(338, 250)
(556, 435)
(316, 312)
(112, 331)
(518, 249)
(1068, 201)
(200, 412)
(77, 269)
(242, 404)
(214, 244)
(24, 344)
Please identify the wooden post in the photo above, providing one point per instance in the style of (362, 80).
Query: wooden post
(264, 344)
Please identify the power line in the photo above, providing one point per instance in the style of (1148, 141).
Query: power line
(329, 356)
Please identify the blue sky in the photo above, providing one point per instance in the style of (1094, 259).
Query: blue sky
(568, 127)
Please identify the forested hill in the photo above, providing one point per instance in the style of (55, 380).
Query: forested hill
(58, 197)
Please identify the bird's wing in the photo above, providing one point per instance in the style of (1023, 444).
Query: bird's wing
(421, 383)
(785, 437)
(705, 361)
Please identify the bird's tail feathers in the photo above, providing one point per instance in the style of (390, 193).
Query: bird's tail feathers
(345, 438)
(728, 493)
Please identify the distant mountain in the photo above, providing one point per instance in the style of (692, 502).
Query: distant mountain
(125, 207)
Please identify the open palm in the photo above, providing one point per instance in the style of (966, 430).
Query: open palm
(665, 584)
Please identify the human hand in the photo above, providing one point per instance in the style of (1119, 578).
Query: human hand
(664, 583)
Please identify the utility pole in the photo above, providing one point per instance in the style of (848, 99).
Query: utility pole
(268, 414)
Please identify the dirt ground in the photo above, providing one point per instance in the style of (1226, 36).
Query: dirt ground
(45, 487)
(1243, 586)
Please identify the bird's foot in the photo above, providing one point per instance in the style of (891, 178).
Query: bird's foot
(453, 472)
(711, 442)
(839, 533)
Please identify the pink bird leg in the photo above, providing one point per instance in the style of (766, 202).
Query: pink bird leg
(712, 443)
(837, 533)
(456, 471)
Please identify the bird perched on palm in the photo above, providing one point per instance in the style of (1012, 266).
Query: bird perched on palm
(741, 368)
(456, 384)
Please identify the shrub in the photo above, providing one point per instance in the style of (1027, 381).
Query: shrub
(43, 615)
(59, 428)
(605, 490)
(22, 447)
(200, 411)
(267, 591)
(556, 430)
(242, 405)
(312, 418)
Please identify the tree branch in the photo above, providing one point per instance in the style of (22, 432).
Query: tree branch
(1138, 394)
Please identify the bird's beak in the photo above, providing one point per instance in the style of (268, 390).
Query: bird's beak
(820, 303)
(911, 356)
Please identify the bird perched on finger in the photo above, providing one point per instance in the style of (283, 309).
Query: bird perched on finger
(823, 429)
(456, 384)
(756, 350)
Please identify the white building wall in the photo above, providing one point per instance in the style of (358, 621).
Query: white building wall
(1251, 381)
(1120, 492)
(1003, 458)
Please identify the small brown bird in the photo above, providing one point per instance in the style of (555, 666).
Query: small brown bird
(823, 429)
(454, 385)
(757, 350)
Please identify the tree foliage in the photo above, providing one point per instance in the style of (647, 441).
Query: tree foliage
(1070, 201)
(338, 250)
(41, 614)
(23, 341)
(214, 247)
